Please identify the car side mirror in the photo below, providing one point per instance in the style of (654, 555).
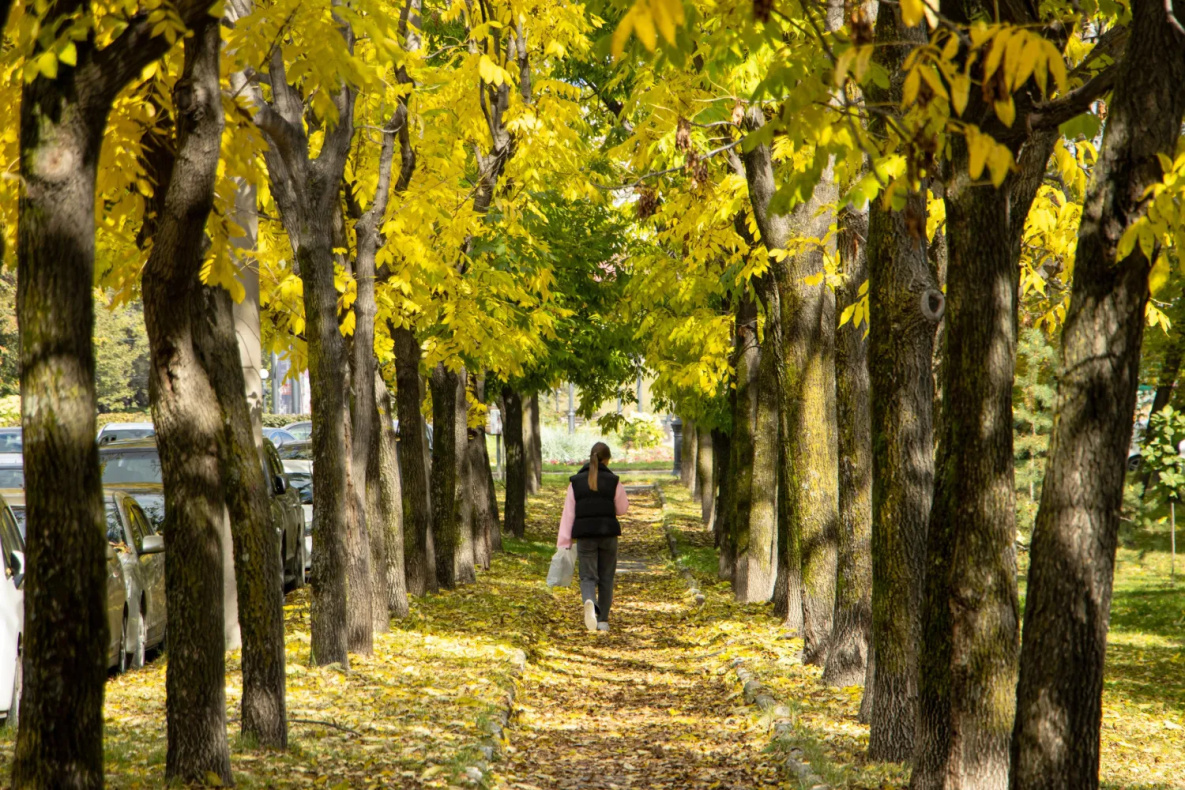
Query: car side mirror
(152, 544)
(16, 565)
(280, 484)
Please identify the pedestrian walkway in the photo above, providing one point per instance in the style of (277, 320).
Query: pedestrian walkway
(641, 706)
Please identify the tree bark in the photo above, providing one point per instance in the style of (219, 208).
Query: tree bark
(60, 739)
(419, 552)
(307, 190)
(532, 443)
(516, 462)
(484, 503)
(188, 423)
(806, 387)
(900, 353)
(445, 385)
(1055, 741)
(755, 433)
(687, 450)
(847, 655)
(384, 462)
(705, 474)
(970, 611)
(465, 561)
(725, 507)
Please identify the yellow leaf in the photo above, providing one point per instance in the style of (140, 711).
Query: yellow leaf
(960, 92)
(913, 82)
(912, 12)
(69, 54)
(47, 64)
(978, 145)
(1006, 111)
(1159, 276)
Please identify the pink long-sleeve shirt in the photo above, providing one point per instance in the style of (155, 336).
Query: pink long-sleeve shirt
(621, 504)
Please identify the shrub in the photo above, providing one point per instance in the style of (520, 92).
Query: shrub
(280, 420)
(640, 432)
(561, 447)
(10, 411)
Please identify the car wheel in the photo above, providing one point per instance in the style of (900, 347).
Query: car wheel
(18, 685)
(1133, 463)
(135, 659)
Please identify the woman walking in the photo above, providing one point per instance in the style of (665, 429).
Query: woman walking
(595, 499)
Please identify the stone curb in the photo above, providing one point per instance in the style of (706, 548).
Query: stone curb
(491, 745)
(758, 695)
(684, 571)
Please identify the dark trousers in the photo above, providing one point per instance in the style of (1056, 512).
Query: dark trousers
(598, 566)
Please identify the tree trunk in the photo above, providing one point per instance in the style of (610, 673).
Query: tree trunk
(687, 466)
(485, 520)
(900, 354)
(1055, 742)
(806, 389)
(705, 474)
(967, 673)
(847, 655)
(532, 443)
(725, 507)
(60, 739)
(516, 462)
(755, 432)
(466, 556)
(379, 530)
(419, 553)
(788, 588)
(189, 425)
(445, 529)
(494, 536)
(384, 463)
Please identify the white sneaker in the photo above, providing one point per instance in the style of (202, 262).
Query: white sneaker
(590, 615)
(602, 626)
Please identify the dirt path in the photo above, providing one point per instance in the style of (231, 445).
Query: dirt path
(640, 706)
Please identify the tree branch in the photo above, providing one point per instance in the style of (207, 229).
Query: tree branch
(1048, 115)
(656, 173)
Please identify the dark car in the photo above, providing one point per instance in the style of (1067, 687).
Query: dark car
(133, 465)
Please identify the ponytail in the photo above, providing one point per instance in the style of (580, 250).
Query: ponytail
(598, 455)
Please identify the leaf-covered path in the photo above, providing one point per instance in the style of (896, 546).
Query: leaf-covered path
(642, 706)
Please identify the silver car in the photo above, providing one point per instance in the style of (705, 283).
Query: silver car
(141, 554)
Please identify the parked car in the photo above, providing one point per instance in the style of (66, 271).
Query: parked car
(278, 436)
(297, 458)
(15, 497)
(134, 466)
(114, 431)
(117, 612)
(300, 430)
(12, 470)
(141, 554)
(10, 440)
(12, 613)
(288, 516)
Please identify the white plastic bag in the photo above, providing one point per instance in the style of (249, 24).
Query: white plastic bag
(563, 566)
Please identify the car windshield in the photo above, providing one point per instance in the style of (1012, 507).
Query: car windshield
(153, 506)
(10, 440)
(128, 466)
(12, 477)
(11, 538)
(114, 525)
(300, 430)
(112, 434)
(18, 512)
(300, 451)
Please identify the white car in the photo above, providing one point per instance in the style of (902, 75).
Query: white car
(297, 458)
(12, 613)
(125, 430)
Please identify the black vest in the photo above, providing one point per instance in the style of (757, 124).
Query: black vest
(596, 515)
